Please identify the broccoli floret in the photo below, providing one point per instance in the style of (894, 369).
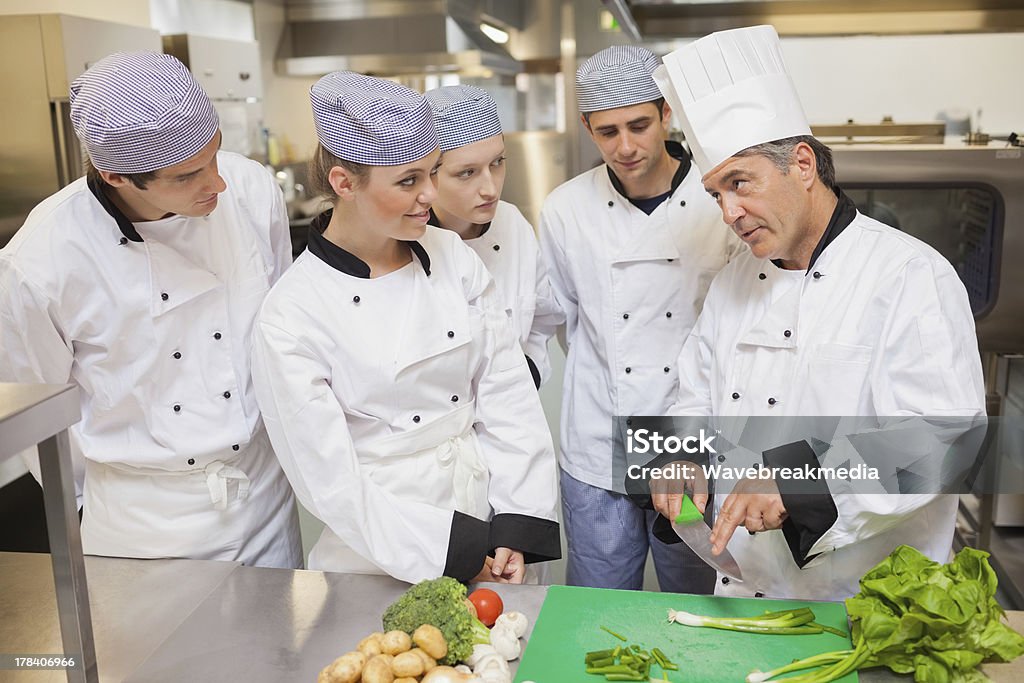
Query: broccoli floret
(441, 602)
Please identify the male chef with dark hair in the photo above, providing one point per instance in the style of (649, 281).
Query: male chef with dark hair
(829, 313)
(139, 283)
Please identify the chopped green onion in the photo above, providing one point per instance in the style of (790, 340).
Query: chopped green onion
(620, 637)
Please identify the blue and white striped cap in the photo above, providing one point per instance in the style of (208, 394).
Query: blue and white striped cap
(137, 112)
(371, 121)
(463, 114)
(618, 76)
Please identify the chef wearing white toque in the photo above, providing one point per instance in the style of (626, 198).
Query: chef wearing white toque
(139, 283)
(631, 247)
(829, 313)
(391, 382)
(470, 177)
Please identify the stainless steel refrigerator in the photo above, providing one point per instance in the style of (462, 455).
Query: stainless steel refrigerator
(41, 55)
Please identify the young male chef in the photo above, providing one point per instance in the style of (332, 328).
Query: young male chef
(140, 283)
(829, 313)
(631, 247)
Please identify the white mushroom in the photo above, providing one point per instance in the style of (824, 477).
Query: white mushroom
(517, 620)
(478, 653)
(505, 641)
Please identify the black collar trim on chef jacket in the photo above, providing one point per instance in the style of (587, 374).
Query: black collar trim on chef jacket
(842, 216)
(344, 261)
(125, 225)
(676, 151)
(436, 222)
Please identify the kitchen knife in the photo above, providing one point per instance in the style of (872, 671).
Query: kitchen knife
(691, 528)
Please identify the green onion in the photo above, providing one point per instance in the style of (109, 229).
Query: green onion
(785, 622)
(620, 637)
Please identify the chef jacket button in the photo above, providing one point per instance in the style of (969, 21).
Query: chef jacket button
(455, 398)
(177, 408)
(415, 418)
(235, 447)
(163, 295)
(682, 202)
(451, 335)
(227, 394)
(761, 276)
(355, 299)
(725, 580)
(497, 247)
(191, 461)
(735, 396)
(629, 370)
(668, 314)
(123, 241)
(758, 594)
(625, 316)
(177, 355)
(816, 275)
(772, 401)
(216, 335)
(787, 333)
(611, 203)
(721, 458)
(667, 368)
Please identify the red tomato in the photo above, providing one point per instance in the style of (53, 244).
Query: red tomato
(488, 605)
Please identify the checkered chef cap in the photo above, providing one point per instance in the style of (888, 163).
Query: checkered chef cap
(137, 112)
(618, 76)
(371, 121)
(463, 114)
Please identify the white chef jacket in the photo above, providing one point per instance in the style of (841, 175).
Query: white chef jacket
(152, 320)
(879, 325)
(509, 250)
(631, 286)
(403, 413)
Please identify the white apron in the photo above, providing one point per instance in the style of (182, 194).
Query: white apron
(238, 508)
(439, 465)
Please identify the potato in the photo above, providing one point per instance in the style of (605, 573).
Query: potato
(428, 661)
(406, 679)
(395, 642)
(370, 645)
(407, 664)
(344, 669)
(378, 670)
(430, 638)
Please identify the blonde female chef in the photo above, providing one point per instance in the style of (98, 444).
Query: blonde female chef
(391, 382)
(470, 177)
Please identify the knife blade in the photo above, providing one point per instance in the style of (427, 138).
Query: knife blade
(694, 532)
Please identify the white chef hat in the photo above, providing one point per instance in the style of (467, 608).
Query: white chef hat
(137, 112)
(618, 76)
(371, 121)
(731, 91)
(463, 114)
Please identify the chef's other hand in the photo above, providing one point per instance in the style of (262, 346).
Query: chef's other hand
(667, 494)
(754, 504)
(508, 566)
(485, 573)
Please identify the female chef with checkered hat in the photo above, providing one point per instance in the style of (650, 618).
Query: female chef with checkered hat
(139, 283)
(470, 177)
(391, 382)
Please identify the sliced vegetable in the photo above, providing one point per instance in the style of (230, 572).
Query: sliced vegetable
(488, 605)
(626, 662)
(620, 637)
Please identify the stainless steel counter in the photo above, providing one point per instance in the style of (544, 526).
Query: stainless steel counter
(188, 620)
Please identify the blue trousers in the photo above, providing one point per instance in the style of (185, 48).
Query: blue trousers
(609, 536)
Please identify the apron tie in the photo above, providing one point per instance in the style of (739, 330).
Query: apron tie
(468, 467)
(217, 476)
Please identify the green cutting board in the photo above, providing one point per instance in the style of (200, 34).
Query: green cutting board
(570, 623)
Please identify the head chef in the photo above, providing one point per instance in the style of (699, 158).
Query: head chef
(829, 313)
(139, 283)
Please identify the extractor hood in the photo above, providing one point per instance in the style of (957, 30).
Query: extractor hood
(666, 19)
(395, 37)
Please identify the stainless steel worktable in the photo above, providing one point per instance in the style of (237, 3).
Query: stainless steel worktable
(188, 620)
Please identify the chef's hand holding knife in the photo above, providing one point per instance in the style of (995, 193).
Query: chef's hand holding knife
(754, 503)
